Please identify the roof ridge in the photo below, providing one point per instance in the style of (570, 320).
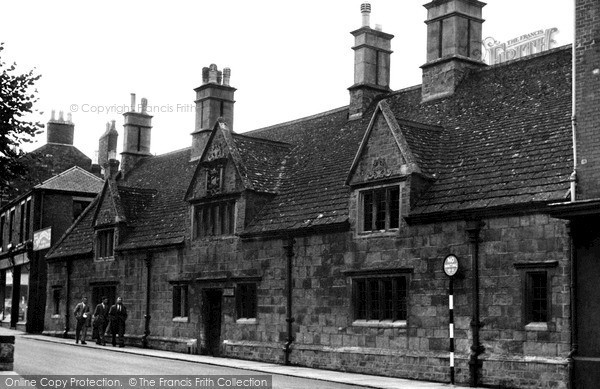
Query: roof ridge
(315, 116)
(263, 140)
(64, 172)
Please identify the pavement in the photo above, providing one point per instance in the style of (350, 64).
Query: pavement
(364, 380)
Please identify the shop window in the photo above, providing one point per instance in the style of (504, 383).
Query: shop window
(246, 300)
(180, 300)
(380, 298)
(380, 209)
(105, 243)
(214, 219)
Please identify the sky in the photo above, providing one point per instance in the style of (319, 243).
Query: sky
(288, 59)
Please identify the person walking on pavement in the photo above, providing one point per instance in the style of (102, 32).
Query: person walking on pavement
(118, 316)
(101, 320)
(82, 314)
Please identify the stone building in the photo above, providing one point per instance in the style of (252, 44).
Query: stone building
(320, 241)
(40, 206)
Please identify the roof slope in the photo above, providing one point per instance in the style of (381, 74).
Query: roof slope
(506, 135)
(74, 179)
(161, 183)
(262, 161)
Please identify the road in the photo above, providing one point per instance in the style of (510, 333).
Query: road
(35, 357)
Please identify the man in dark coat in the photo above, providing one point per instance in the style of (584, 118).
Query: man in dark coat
(101, 320)
(82, 315)
(118, 316)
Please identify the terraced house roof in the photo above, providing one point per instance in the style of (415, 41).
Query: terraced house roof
(503, 139)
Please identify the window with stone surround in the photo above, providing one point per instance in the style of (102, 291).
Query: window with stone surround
(536, 301)
(379, 209)
(105, 243)
(56, 297)
(537, 293)
(380, 298)
(246, 300)
(180, 300)
(214, 219)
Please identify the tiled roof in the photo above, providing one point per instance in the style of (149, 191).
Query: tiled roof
(74, 179)
(262, 161)
(502, 139)
(161, 183)
(506, 135)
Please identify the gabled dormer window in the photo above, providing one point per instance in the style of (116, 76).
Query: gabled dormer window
(105, 247)
(214, 219)
(380, 209)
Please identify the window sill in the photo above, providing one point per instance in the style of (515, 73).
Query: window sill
(181, 319)
(56, 316)
(380, 324)
(378, 233)
(105, 259)
(537, 326)
(246, 321)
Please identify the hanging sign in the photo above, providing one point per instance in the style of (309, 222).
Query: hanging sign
(524, 45)
(451, 265)
(42, 239)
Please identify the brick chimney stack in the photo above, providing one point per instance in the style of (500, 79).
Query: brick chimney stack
(453, 45)
(372, 52)
(107, 146)
(587, 98)
(214, 100)
(60, 130)
(136, 138)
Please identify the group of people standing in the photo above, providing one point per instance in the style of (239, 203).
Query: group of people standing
(103, 319)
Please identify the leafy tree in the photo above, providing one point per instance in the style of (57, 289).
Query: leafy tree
(16, 102)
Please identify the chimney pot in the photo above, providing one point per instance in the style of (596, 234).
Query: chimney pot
(365, 9)
(219, 77)
(61, 116)
(212, 74)
(144, 105)
(52, 115)
(226, 76)
(69, 118)
(205, 71)
(378, 27)
(133, 102)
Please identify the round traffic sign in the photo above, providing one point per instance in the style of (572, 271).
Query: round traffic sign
(451, 265)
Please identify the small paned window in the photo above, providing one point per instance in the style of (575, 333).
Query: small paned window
(380, 298)
(180, 300)
(56, 295)
(214, 219)
(105, 243)
(246, 301)
(537, 296)
(381, 209)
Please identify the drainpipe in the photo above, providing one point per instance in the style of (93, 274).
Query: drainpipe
(69, 267)
(573, 177)
(573, 302)
(148, 260)
(289, 252)
(473, 228)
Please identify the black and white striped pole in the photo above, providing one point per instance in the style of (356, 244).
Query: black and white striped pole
(451, 268)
